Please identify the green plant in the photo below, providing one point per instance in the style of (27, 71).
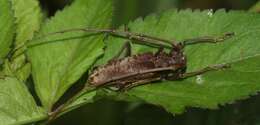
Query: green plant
(61, 60)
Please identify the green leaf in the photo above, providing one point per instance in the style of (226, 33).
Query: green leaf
(18, 68)
(28, 18)
(17, 106)
(213, 88)
(24, 72)
(64, 58)
(7, 28)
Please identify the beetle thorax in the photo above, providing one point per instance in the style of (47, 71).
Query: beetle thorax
(175, 58)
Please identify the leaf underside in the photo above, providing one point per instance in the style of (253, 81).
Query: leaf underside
(64, 58)
(59, 63)
(213, 88)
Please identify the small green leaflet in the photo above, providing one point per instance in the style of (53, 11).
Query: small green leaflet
(17, 106)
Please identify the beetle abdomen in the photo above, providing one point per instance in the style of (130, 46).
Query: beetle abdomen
(120, 70)
(121, 67)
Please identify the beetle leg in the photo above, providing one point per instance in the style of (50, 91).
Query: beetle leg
(207, 39)
(105, 36)
(160, 50)
(204, 70)
(139, 83)
(127, 47)
(146, 39)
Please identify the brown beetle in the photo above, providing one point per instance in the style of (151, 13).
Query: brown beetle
(144, 68)
(134, 70)
(140, 69)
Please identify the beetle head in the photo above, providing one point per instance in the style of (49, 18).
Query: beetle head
(177, 56)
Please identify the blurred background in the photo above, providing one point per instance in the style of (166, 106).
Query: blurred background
(126, 10)
(108, 112)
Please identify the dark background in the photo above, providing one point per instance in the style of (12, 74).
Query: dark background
(126, 10)
(108, 112)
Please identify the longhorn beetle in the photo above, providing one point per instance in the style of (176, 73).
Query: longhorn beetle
(135, 70)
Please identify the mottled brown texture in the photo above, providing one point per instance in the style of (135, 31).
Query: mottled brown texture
(118, 72)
